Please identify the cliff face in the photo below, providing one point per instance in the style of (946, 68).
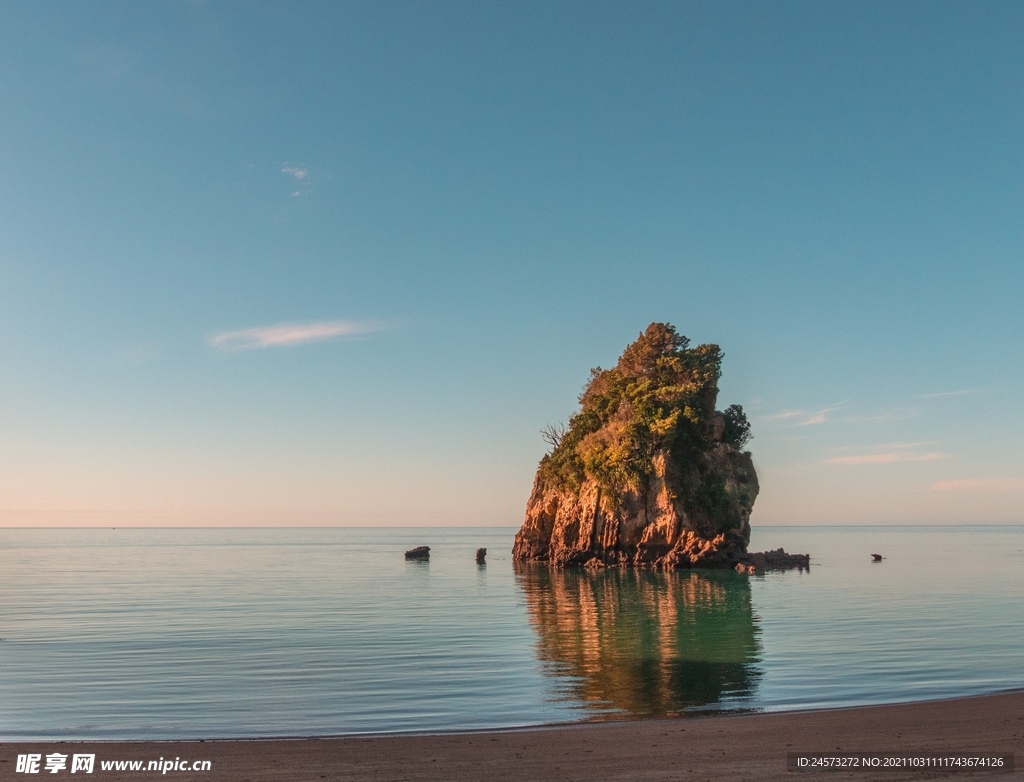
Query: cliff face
(648, 473)
(649, 527)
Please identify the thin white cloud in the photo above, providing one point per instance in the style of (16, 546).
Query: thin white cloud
(891, 453)
(808, 417)
(990, 485)
(284, 334)
(937, 394)
(786, 414)
(888, 458)
(897, 414)
(296, 172)
(815, 419)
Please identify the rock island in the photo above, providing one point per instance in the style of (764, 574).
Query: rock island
(648, 472)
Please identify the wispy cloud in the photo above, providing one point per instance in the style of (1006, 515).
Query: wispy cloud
(283, 334)
(937, 394)
(895, 414)
(890, 453)
(808, 417)
(786, 414)
(300, 177)
(816, 418)
(990, 485)
(889, 458)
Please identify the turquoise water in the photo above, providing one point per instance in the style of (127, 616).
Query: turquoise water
(218, 633)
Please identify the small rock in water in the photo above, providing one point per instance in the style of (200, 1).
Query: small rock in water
(778, 559)
(420, 552)
(876, 557)
(481, 554)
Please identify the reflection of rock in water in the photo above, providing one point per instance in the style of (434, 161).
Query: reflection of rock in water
(647, 643)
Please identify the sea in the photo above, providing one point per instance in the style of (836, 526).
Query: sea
(219, 633)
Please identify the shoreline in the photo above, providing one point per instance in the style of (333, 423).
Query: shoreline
(713, 747)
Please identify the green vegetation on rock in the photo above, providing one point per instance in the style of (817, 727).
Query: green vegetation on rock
(660, 396)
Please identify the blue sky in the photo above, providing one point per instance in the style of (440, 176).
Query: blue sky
(338, 263)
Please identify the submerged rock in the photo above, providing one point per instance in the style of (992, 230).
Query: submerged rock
(647, 472)
(420, 552)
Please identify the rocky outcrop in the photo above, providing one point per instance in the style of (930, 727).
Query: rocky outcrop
(648, 472)
(420, 553)
(656, 526)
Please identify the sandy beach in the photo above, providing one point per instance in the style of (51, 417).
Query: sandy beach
(747, 747)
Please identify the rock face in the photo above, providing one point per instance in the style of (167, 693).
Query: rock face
(648, 472)
(593, 526)
(420, 552)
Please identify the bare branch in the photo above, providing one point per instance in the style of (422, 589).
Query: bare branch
(553, 434)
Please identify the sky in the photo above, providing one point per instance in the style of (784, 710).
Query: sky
(312, 264)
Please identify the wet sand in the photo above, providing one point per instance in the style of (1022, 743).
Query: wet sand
(736, 747)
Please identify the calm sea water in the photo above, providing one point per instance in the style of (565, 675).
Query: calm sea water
(218, 633)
